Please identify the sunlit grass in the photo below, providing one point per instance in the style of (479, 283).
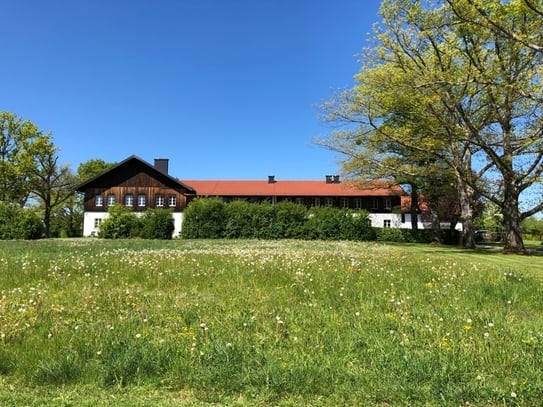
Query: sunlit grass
(269, 322)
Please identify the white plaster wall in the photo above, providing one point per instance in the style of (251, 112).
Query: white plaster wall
(90, 230)
(88, 222)
(378, 220)
(177, 222)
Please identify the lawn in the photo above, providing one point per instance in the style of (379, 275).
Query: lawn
(136, 323)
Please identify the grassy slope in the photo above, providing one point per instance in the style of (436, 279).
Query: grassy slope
(256, 322)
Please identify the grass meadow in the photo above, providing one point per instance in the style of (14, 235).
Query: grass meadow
(193, 322)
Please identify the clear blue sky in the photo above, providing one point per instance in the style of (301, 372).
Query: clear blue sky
(226, 89)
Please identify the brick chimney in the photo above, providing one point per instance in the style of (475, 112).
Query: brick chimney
(161, 164)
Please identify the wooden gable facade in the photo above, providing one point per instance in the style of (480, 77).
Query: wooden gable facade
(136, 184)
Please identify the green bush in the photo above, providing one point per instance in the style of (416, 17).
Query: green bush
(204, 218)
(264, 221)
(289, 220)
(121, 223)
(19, 223)
(338, 224)
(394, 235)
(157, 224)
(238, 223)
(449, 237)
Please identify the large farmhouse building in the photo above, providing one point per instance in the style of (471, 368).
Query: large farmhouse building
(140, 185)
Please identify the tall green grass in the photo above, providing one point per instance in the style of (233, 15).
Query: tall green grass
(270, 322)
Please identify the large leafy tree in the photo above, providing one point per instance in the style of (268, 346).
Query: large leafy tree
(21, 143)
(466, 94)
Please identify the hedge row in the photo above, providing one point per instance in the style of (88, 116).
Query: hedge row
(449, 237)
(212, 218)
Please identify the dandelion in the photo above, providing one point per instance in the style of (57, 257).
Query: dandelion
(513, 395)
(138, 336)
(486, 334)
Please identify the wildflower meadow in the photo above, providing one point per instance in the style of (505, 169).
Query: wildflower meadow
(258, 322)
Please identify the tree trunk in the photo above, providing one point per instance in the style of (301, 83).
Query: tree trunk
(436, 226)
(511, 219)
(414, 208)
(465, 194)
(47, 217)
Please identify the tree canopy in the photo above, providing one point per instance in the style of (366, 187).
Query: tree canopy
(444, 95)
(21, 146)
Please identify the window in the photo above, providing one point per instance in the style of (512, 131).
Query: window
(99, 200)
(344, 202)
(159, 201)
(141, 200)
(329, 202)
(388, 203)
(172, 200)
(111, 200)
(97, 222)
(387, 223)
(316, 202)
(358, 203)
(129, 200)
(300, 201)
(374, 203)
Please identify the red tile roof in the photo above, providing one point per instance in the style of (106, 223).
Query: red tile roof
(290, 188)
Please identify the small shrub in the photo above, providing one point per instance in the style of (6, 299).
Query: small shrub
(157, 224)
(204, 218)
(239, 222)
(121, 223)
(338, 224)
(289, 219)
(19, 223)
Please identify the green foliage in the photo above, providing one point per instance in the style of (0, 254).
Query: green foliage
(92, 168)
(490, 218)
(238, 224)
(533, 227)
(121, 223)
(290, 219)
(338, 224)
(204, 218)
(157, 224)
(22, 145)
(446, 86)
(448, 236)
(19, 223)
(212, 218)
